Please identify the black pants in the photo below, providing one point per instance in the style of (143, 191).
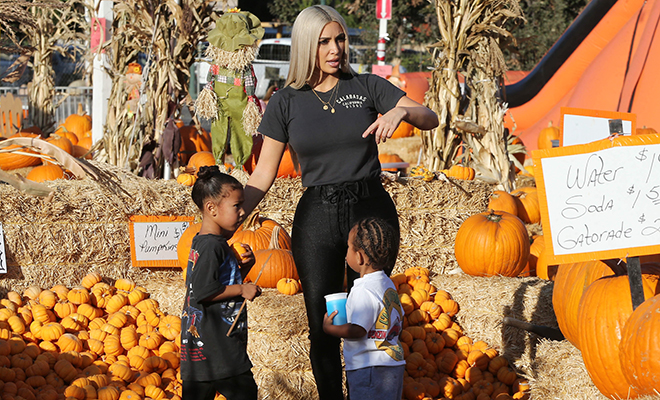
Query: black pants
(240, 387)
(324, 217)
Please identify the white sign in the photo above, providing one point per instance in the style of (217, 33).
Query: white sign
(581, 129)
(153, 242)
(603, 201)
(3, 258)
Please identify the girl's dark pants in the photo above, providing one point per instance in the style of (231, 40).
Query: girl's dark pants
(324, 216)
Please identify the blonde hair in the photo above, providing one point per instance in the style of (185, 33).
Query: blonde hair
(304, 43)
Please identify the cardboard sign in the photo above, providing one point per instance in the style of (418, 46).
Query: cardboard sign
(3, 257)
(600, 200)
(154, 239)
(581, 126)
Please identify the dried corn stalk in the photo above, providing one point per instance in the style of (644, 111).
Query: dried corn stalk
(58, 27)
(169, 32)
(470, 31)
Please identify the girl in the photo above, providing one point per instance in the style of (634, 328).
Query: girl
(327, 114)
(210, 360)
(372, 350)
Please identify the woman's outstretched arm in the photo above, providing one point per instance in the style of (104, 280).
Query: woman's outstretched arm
(406, 110)
(264, 173)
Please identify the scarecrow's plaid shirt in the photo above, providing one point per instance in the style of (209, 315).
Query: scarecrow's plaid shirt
(246, 78)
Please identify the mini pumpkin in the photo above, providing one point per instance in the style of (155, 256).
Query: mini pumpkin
(288, 286)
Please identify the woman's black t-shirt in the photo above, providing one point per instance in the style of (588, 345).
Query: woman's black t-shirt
(330, 146)
(207, 353)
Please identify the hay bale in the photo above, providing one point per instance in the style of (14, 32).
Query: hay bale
(430, 214)
(559, 373)
(278, 346)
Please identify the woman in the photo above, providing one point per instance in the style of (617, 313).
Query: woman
(327, 113)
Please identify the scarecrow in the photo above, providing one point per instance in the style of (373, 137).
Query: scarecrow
(229, 97)
(133, 81)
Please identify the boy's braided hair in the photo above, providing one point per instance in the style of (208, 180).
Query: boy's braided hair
(213, 184)
(379, 241)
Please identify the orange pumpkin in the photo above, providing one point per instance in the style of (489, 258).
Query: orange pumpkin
(492, 243)
(288, 286)
(78, 124)
(286, 169)
(571, 282)
(10, 161)
(257, 232)
(645, 131)
(186, 179)
(278, 263)
(547, 135)
(535, 249)
(386, 158)
(639, 347)
(185, 242)
(46, 172)
(461, 172)
(603, 312)
(528, 204)
(193, 141)
(201, 159)
(503, 201)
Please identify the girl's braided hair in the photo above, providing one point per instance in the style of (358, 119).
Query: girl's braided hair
(212, 184)
(379, 241)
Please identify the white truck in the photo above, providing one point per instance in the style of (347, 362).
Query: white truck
(271, 65)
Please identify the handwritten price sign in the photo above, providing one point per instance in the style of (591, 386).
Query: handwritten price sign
(154, 240)
(601, 200)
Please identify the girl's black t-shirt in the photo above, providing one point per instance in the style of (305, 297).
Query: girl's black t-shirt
(207, 353)
(330, 146)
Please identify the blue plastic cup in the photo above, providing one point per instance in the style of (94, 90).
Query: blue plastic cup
(337, 302)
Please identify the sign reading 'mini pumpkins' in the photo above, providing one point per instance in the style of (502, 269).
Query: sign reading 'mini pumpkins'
(600, 200)
(154, 239)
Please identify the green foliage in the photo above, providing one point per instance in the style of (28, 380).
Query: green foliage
(546, 21)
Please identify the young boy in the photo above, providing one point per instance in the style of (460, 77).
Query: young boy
(372, 350)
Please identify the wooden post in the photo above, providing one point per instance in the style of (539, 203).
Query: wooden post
(635, 278)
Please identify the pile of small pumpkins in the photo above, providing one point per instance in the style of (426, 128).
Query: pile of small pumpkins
(93, 341)
(74, 136)
(271, 245)
(441, 361)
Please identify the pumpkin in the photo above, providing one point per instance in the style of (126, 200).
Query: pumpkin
(200, 159)
(62, 132)
(278, 263)
(645, 131)
(528, 204)
(547, 135)
(257, 232)
(126, 285)
(387, 158)
(78, 124)
(543, 270)
(571, 281)
(193, 141)
(10, 161)
(185, 242)
(170, 326)
(78, 295)
(288, 286)
(492, 243)
(603, 312)
(535, 249)
(461, 172)
(46, 172)
(186, 179)
(638, 355)
(503, 201)
(90, 280)
(61, 142)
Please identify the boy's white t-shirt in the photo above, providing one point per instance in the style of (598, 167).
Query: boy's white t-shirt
(374, 304)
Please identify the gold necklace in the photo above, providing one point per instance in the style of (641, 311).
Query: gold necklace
(326, 104)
